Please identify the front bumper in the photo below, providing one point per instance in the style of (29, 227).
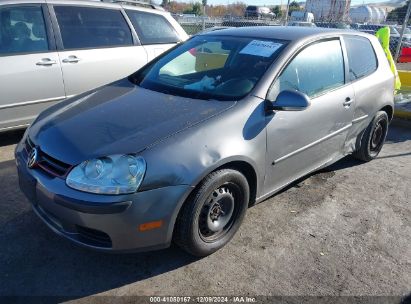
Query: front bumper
(102, 222)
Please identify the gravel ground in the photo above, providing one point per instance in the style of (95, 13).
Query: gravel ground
(343, 231)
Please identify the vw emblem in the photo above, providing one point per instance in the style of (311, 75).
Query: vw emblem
(32, 159)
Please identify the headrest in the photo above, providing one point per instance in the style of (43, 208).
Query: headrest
(20, 30)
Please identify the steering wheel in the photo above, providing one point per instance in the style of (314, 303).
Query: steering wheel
(235, 86)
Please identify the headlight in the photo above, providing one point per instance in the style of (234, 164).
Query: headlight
(117, 174)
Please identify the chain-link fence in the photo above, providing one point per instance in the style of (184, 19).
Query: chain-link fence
(194, 25)
(370, 21)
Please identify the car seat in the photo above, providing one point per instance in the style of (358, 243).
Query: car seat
(21, 38)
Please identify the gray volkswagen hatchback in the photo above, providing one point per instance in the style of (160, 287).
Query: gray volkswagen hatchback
(179, 150)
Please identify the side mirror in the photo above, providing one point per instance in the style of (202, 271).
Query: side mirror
(289, 100)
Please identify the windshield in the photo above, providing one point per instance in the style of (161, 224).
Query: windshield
(210, 67)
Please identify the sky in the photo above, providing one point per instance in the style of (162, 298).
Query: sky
(277, 2)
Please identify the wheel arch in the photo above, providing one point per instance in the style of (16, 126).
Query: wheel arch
(389, 110)
(241, 165)
(250, 174)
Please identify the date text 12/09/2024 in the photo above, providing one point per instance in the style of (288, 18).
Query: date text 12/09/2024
(203, 299)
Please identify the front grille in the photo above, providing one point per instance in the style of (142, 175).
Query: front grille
(94, 237)
(47, 163)
(81, 234)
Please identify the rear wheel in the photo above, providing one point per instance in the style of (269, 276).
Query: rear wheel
(213, 213)
(373, 138)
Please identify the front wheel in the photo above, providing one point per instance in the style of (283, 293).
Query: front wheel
(373, 138)
(213, 213)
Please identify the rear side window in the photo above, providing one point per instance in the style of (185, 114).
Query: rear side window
(316, 69)
(22, 30)
(152, 28)
(361, 56)
(87, 27)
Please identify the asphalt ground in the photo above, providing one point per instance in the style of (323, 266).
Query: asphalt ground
(343, 231)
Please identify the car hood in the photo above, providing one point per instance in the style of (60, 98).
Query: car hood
(115, 119)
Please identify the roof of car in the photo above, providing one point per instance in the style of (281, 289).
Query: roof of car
(279, 32)
(98, 3)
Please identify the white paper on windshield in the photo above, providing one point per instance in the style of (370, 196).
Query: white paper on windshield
(261, 48)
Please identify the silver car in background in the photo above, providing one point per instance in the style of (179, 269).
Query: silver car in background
(301, 23)
(51, 50)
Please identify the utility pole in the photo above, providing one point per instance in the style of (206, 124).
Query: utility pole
(286, 12)
(407, 16)
(204, 2)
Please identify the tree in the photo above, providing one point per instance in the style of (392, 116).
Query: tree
(204, 2)
(294, 6)
(195, 9)
(398, 14)
(233, 9)
(165, 3)
(277, 11)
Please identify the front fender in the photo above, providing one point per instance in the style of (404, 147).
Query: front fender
(186, 158)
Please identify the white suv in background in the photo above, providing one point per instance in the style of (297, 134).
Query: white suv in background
(54, 49)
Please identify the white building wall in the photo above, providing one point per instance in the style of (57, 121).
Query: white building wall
(328, 10)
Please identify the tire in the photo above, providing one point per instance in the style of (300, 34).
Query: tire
(373, 138)
(213, 213)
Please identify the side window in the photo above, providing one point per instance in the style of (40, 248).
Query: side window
(152, 28)
(361, 56)
(22, 30)
(89, 27)
(316, 69)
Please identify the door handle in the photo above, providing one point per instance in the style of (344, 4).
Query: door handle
(46, 62)
(71, 59)
(348, 101)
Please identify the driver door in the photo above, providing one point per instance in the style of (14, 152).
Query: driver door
(298, 142)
